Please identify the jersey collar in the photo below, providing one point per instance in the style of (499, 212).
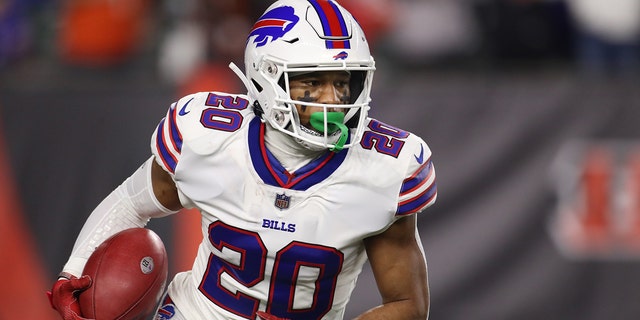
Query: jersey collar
(273, 173)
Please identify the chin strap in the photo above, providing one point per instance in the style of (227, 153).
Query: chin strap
(335, 122)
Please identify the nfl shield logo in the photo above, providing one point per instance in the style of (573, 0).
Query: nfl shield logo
(282, 201)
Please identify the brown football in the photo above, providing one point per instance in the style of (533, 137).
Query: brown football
(129, 272)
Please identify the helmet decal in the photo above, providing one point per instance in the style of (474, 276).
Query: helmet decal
(273, 25)
(341, 56)
(333, 24)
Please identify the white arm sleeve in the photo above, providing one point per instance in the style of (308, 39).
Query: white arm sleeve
(130, 205)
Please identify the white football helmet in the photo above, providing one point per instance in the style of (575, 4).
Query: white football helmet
(298, 36)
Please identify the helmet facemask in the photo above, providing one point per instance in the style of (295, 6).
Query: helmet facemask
(331, 124)
(331, 129)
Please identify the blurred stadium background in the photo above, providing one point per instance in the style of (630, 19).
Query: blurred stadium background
(531, 108)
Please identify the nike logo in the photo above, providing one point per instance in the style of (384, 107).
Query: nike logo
(183, 111)
(420, 158)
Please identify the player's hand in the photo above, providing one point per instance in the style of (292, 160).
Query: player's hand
(64, 297)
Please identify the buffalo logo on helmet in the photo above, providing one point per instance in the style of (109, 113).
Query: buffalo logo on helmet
(341, 56)
(273, 25)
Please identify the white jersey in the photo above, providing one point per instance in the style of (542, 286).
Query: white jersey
(286, 243)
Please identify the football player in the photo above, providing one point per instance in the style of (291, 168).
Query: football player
(296, 185)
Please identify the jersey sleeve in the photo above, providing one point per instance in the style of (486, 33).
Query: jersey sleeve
(418, 190)
(166, 140)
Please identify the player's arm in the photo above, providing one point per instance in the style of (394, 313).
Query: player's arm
(400, 270)
(164, 188)
(148, 193)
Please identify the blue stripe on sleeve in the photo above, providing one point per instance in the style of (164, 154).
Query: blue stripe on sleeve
(165, 155)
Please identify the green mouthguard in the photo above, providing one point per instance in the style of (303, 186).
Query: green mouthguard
(335, 122)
